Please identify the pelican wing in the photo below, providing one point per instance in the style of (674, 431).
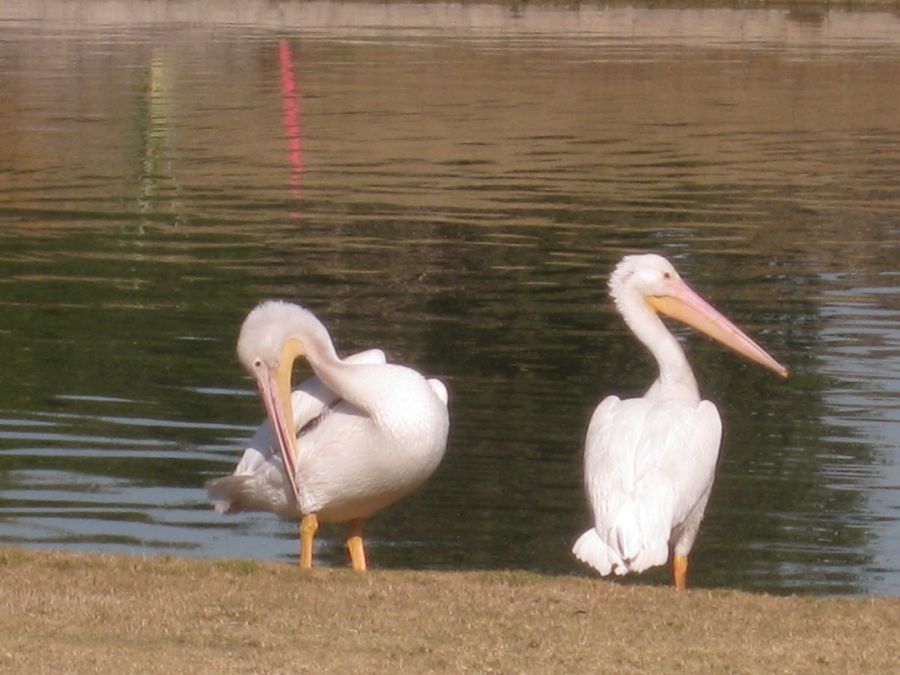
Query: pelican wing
(353, 462)
(648, 465)
(308, 401)
(258, 483)
(693, 470)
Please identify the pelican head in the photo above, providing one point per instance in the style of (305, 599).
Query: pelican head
(653, 281)
(272, 337)
(274, 333)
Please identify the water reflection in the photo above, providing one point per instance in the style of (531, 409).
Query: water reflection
(469, 177)
(290, 119)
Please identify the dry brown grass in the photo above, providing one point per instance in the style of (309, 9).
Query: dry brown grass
(65, 612)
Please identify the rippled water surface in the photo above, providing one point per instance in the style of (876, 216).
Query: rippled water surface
(452, 183)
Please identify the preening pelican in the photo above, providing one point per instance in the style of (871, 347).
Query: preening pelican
(355, 438)
(649, 462)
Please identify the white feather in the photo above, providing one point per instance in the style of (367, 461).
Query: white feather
(369, 432)
(649, 462)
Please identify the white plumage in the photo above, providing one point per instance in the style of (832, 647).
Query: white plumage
(258, 482)
(649, 462)
(355, 438)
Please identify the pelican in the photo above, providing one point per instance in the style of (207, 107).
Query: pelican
(649, 462)
(355, 438)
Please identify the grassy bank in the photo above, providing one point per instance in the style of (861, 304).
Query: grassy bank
(65, 612)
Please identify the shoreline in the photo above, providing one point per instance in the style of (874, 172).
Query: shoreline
(85, 611)
(690, 23)
(267, 12)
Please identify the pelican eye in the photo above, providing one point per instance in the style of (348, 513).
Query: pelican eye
(258, 363)
(667, 275)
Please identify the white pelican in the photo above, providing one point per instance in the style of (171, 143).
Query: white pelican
(649, 462)
(355, 438)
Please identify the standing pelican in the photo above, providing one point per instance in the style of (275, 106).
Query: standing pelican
(355, 438)
(649, 462)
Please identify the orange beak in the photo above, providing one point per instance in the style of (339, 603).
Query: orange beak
(275, 391)
(686, 305)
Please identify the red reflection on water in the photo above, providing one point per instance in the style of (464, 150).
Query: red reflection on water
(290, 118)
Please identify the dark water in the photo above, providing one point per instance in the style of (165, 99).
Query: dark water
(452, 183)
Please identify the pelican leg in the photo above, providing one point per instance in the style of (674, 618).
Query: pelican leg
(308, 528)
(679, 570)
(355, 545)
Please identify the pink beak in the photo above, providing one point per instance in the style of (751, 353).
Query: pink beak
(275, 391)
(686, 305)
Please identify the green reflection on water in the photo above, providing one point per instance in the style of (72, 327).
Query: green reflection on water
(461, 208)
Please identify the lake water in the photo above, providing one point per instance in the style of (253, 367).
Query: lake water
(453, 183)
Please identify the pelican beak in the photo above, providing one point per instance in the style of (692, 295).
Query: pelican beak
(686, 305)
(275, 391)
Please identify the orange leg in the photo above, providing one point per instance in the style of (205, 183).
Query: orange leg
(679, 570)
(308, 528)
(355, 545)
